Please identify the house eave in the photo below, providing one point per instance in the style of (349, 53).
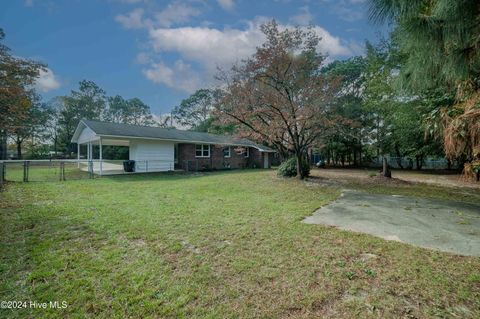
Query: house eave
(182, 141)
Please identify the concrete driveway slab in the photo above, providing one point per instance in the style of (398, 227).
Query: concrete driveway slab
(444, 225)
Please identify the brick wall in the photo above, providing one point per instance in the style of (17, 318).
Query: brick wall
(186, 156)
(257, 157)
(186, 152)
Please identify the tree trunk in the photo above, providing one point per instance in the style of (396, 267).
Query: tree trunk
(19, 149)
(386, 170)
(399, 156)
(419, 160)
(299, 165)
(360, 155)
(3, 145)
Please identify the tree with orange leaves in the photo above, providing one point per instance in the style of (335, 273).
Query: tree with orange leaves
(279, 95)
(16, 79)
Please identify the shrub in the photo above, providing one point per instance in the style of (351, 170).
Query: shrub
(288, 168)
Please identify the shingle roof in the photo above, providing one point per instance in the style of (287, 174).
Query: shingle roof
(137, 131)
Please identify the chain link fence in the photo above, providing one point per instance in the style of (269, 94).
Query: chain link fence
(410, 163)
(62, 170)
(44, 170)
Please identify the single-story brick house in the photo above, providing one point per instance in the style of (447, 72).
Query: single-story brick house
(157, 149)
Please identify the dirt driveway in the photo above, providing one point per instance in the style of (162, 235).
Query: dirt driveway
(441, 178)
(444, 225)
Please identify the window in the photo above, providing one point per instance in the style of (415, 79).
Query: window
(226, 151)
(202, 150)
(247, 152)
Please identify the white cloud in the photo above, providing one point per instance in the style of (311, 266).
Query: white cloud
(226, 4)
(132, 20)
(143, 58)
(208, 48)
(180, 77)
(304, 17)
(46, 81)
(214, 47)
(331, 45)
(176, 13)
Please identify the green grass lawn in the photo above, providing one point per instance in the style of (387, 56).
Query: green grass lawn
(213, 245)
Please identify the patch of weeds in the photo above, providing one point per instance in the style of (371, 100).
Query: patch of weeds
(372, 174)
(474, 278)
(340, 263)
(370, 272)
(350, 275)
(462, 222)
(407, 208)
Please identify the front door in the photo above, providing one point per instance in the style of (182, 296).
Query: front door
(265, 160)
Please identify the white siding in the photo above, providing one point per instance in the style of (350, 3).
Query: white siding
(152, 156)
(86, 135)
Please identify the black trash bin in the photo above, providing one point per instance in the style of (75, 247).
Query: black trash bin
(129, 166)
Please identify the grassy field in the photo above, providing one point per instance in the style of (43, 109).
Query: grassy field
(213, 245)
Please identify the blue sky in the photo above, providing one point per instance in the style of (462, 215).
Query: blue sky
(161, 51)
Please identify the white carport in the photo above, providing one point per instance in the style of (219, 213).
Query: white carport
(150, 155)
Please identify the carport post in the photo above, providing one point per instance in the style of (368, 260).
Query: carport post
(78, 155)
(100, 156)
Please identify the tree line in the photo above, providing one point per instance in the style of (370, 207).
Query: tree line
(413, 95)
(48, 127)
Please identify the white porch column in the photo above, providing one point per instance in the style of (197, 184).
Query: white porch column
(78, 155)
(100, 156)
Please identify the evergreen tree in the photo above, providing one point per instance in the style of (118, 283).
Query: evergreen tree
(441, 39)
